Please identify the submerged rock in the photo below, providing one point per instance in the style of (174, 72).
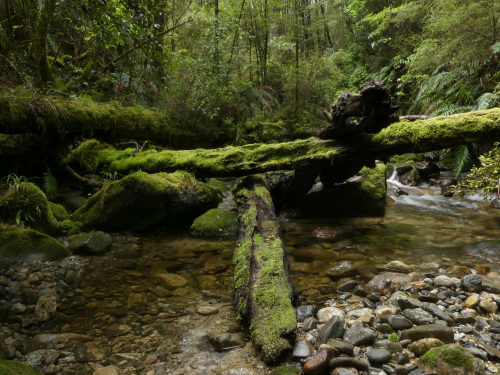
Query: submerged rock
(215, 223)
(388, 282)
(140, 200)
(28, 245)
(91, 243)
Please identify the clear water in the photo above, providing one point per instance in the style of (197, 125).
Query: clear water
(120, 303)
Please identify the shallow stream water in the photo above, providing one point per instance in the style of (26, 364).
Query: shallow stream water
(145, 328)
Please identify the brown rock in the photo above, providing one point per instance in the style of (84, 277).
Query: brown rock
(319, 364)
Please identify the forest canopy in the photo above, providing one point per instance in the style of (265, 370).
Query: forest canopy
(253, 70)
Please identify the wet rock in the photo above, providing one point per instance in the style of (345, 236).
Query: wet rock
(443, 333)
(341, 346)
(347, 287)
(391, 346)
(360, 335)
(302, 349)
(45, 307)
(399, 322)
(304, 312)
(421, 347)
(310, 324)
(446, 282)
(345, 269)
(378, 357)
(225, 341)
(419, 316)
(364, 315)
(472, 301)
(410, 303)
(472, 283)
(398, 266)
(108, 370)
(478, 353)
(328, 234)
(488, 305)
(92, 243)
(458, 271)
(495, 203)
(215, 265)
(384, 311)
(388, 282)
(170, 280)
(327, 313)
(332, 329)
(358, 363)
(318, 365)
(94, 352)
(208, 309)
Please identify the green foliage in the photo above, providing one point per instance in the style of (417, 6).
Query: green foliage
(485, 177)
(49, 183)
(394, 337)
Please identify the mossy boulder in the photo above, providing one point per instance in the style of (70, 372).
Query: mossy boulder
(27, 202)
(215, 223)
(58, 211)
(92, 243)
(16, 368)
(362, 195)
(28, 245)
(141, 200)
(452, 359)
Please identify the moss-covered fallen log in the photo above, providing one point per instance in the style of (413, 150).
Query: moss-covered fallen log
(220, 162)
(438, 132)
(23, 113)
(263, 291)
(312, 153)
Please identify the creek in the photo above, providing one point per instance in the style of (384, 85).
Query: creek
(144, 328)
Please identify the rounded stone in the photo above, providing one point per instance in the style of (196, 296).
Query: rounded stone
(327, 313)
(378, 356)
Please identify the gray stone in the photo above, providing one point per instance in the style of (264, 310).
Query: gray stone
(225, 341)
(378, 357)
(488, 305)
(391, 346)
(345, 269)
(388, 282)
(347, 287)
(399, 322)
(302, 349)
(334, 328)
(341, 346)
(472, 283)
(438, 313)
(327, 313)
(92, 243)
(360, 335)
(310, 324)
(447, 282)
(476, 352)
(344, 371)
(398, 266)
(418, 316)
(45, 307)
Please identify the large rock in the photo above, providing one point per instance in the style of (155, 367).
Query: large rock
(91, 243)
(140, 200)
(16, 368)
(215, 223)
(452, 359)
(360, 335)
(28, 245)
(388, 282)
(333, 329)
(437, 331)
(345, 269)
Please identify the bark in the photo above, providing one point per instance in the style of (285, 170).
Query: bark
(263, 292)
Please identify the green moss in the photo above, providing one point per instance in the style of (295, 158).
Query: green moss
(221, 186)
(227, 161)
(16, 368)
(454, 356)
(407, 158)
(26, 202)
(394, 337)
(215, 223)
(374, 182)
(439, 132)
(28, 245)
(58, 211)
(69, 227)
(142, 200)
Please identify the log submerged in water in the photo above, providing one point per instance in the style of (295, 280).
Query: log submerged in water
(263, 290)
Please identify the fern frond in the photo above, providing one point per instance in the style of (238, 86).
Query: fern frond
(463, 160)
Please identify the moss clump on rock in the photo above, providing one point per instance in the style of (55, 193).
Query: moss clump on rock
(215, 223)
(16, 368)
(58, 211)
(25, 201)
(28, 245)
(452, 358)
(141, 200)
(92, 243)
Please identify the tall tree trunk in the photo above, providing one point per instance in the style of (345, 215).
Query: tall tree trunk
(39, 45)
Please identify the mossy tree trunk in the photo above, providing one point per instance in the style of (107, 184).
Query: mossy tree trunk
(263, 290)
